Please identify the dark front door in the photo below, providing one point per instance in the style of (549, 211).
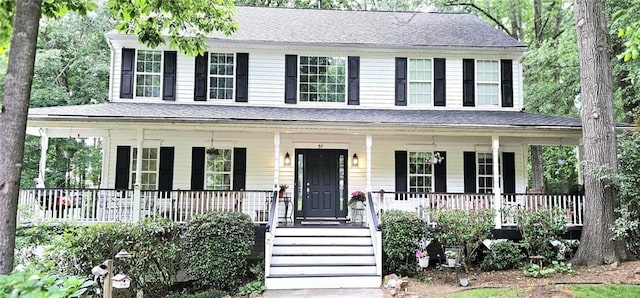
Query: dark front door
(321, 191)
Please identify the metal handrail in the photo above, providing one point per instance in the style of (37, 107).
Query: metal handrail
(372, 211)
(272, 210)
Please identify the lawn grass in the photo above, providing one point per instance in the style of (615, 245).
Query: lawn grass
(609, 291)
(488, 293)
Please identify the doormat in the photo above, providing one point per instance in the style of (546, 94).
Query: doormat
(320, 222)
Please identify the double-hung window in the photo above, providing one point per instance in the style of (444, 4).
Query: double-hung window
(420, 81)
(149, 173)
(485, 172)
(488, 82)
(148, 73)
(221, 76)
(322, 79)
(219, 171)
(420, 172)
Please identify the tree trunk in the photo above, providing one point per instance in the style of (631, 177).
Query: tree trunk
(598, 130)
(537, 21)
(13, 120)
(537, 167)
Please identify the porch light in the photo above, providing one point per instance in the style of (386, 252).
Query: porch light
(354, 159)
(287, 159)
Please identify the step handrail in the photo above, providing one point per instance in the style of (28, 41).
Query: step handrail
(372, 210)
(272, 211)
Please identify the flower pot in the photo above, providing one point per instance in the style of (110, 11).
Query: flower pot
(281, 194)
(212, 156)
(423, 262)
(451, 262)
(359, 205)
(68, 153)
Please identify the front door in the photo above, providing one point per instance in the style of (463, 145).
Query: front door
(320, 181)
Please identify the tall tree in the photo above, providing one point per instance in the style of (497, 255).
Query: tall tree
(596, 246)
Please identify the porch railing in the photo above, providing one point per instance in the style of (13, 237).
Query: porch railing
(571, 204)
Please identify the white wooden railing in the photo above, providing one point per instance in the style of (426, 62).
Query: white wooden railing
(571, 204)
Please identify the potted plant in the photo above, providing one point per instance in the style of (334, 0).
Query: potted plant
(357, 199)
(423, 259)
(68, 151)
(283, 189)
(212, 153)
(436, 158)
(451, 257)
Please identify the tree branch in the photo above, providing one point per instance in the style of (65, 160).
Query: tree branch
(482, 11)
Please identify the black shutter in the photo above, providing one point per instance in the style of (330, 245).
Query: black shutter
(200, 89)
(468, 83)
(508, 172)
(290, 78)
(197, 168)
(354, 81)
(469, 160)
(440, 173)
(440, 84)
(242, 77)
(126, 73)
(401, 171)
(169, 76)
(401, 81)
(239, 168)
(507, 82)
(165, 169)
(123, 160)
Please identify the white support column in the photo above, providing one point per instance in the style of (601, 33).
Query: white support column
(525, 157)
(497, 192)
(276, 160)
(42, 166)
(137, 194)
(369, 144)
(106, 160)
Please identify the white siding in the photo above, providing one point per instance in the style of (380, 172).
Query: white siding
(377, 81)
(266, 78)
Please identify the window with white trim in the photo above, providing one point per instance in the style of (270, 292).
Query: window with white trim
(148, 73)
(485, 172)
(488, 82)
(219, 171)
(149, 173)
(322, 79)
(221, 78)
(420, 81)
(420, 172)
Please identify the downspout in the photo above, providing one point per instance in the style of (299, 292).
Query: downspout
(111, 62)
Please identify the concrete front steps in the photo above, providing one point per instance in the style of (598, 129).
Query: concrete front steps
(322, 257)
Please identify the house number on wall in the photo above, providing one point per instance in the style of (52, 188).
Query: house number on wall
(320, 146)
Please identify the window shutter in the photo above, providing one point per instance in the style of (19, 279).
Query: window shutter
(239, 168)
(123, 160)
(508, 172)
(126, 73)
(169, 76)
(440, 173)
(242, 77)
(165, 169)
(197, 168)
(401, 171)
(290, 78)
(354, 81)
(468, 83)
(200, 82)
(401, 81)
(439, 86)
(507, 82)
(469, 160)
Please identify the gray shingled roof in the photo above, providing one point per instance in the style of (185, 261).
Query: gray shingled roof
(206, 112)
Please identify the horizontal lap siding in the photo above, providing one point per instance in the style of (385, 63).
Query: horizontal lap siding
(454, 83)
(266, 78)
(377, 79)
(186, 76)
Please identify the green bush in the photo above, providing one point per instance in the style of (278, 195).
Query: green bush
(464, 228)
(627, 181)
(401, 233)
(502, 256)
(205, 294)
(539, 228)
(35, 284)
(215, 249)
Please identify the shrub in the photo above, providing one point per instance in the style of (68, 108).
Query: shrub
(464, 228)
(401, 233)
(627, 181)
(205, 294)
(215, 248)
(35, 284)
(539, 228)
(502, 256)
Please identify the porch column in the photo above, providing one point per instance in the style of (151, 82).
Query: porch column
(497, 192)
(137, 194)
(106, 158)
(42, 166)
(276, 160)
(369, 143)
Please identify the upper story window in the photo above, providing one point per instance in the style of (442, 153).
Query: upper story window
(488, 82)
(221, 75)
(420, 172)
(420, 79)
(148, 73)
(149, 173)
(322, 79)
(219, 171)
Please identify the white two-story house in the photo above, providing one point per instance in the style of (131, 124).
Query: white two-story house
(326, 102)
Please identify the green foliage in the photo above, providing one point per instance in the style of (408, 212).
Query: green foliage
(254, 287)
(464, 228)
(611, 291)
(402, 232)
(502, 256)
(423, 277)
(627, 224)
(215, 247)
(534, 270)
(540, 227)
(213, 293)
(35, 284)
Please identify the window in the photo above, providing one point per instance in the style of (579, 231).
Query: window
(148, 72)
(221, 69)
(420, 78)
(322, 79)
(487, 82)
(420, 172)
(219, 171)
(149, 168)
(485, 172)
